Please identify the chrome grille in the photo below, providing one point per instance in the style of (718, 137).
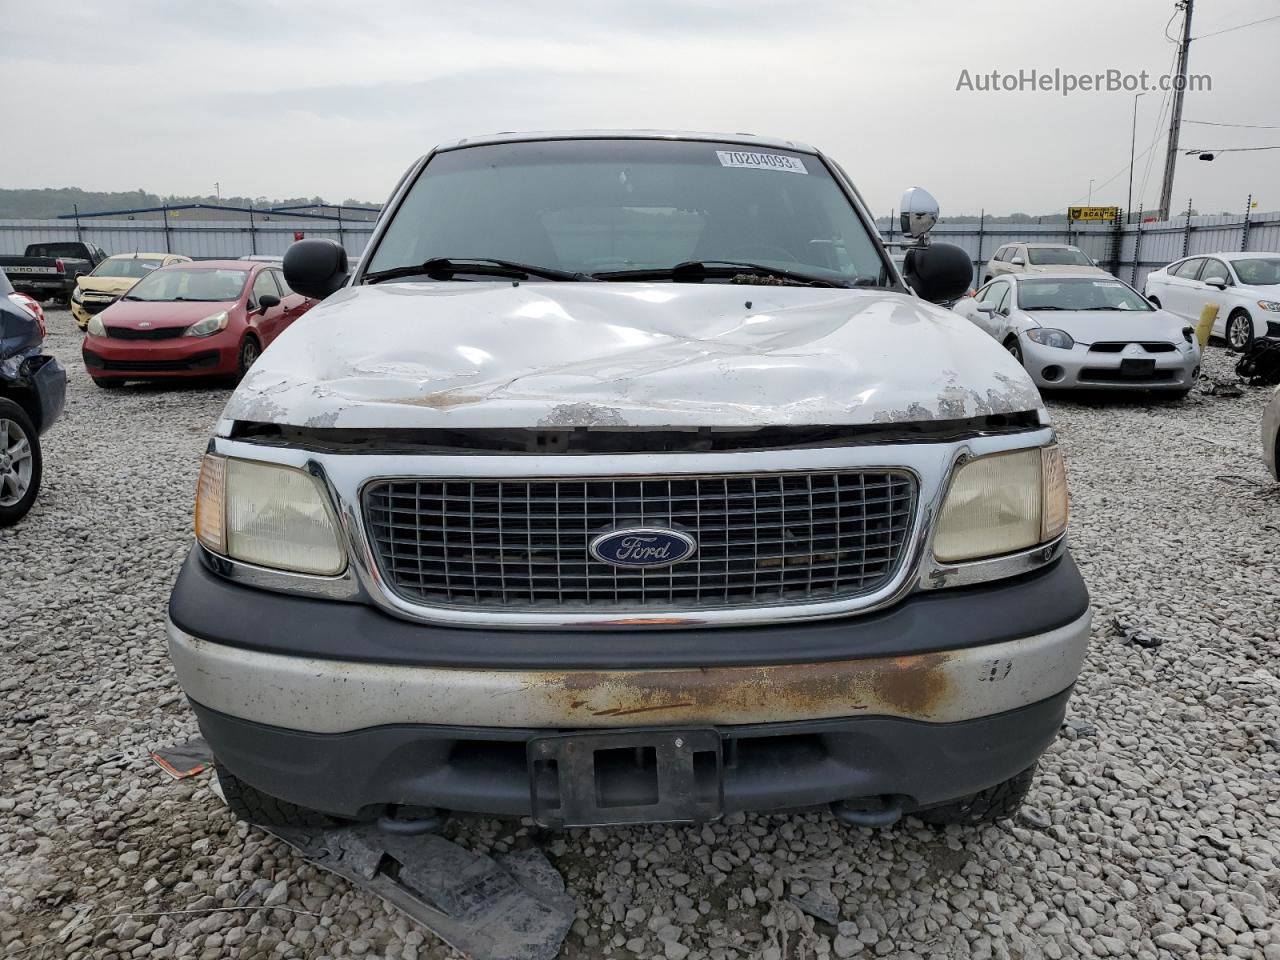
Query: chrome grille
(523, 543)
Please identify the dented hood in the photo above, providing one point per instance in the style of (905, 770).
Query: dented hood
(464, 355)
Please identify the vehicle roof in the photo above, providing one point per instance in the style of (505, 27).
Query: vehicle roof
(226, 264)
(141, 254)
(1054, 246)
(1239, 255)
(1057, 275)
(746, 139)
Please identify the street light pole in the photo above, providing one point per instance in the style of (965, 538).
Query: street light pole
(1133, 143)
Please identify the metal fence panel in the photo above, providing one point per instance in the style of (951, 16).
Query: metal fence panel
(194, 238)
(1141, 247)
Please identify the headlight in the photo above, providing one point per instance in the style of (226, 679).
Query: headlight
(208, 326)
(266, 514)
(1001, 504)
(1269, 305)
(1049, 337)
(77, 295)
(95, 327)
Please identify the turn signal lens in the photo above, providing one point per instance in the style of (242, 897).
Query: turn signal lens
(210, 496)
(1053, 523)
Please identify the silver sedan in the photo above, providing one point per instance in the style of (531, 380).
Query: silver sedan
(1088, 332)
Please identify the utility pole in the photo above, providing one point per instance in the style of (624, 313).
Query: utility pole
(1175, 122)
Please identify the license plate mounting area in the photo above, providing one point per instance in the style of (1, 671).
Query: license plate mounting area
(634, 776)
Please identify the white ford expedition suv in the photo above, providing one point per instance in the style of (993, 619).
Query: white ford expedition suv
(627, 480)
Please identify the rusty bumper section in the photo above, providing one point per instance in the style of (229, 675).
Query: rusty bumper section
(330, 696)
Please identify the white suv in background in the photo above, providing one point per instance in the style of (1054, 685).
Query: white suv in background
(1039, 258)
(1245, 287)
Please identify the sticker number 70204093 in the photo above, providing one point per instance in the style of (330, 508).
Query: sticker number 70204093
(761, 161)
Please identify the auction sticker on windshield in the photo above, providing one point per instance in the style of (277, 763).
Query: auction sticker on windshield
(761, 161)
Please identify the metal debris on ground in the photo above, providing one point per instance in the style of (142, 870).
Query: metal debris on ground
(513, 907)
(1212, 387)
(1132, 636)
(185, 759)
(1079, 728)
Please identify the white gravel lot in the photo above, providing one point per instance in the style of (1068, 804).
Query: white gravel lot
(1153, 829)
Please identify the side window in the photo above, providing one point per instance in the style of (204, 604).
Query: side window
(1215, 270)
(999, 254)
(1017, 250)
(986, 293)
(263, 285)
(1002, 298)
(284, 287)
(1188, 269)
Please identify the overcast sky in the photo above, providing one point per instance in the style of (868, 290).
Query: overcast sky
(297, 99)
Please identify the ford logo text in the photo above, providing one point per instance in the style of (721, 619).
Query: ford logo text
(643, 547)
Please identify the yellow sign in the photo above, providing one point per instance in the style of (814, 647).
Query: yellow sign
(1092, 213)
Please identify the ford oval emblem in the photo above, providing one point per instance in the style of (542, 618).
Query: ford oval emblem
(643, 547)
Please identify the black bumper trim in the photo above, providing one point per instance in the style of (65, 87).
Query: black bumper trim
(211, 608)
(767, 766)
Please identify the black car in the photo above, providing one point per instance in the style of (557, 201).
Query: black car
(33, 387)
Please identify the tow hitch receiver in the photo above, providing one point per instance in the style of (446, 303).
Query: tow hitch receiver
(642, 776)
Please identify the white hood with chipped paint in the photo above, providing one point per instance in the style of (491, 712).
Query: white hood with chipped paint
(465, 355)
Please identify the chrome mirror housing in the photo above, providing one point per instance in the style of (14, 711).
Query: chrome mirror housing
(919, 212)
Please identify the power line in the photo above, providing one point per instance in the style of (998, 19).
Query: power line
(1243, 126)
(1251, 23)
(1230, 149)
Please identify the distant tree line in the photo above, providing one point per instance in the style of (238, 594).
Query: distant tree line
(49, 202)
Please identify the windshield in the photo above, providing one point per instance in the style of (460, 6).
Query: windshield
(592, 206)
(1260, 272)
(125, 267)
(190, 283)
(73, 251)
(1083, 294)
(1058, 255)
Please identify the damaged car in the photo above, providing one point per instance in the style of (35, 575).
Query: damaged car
(627, 480)
(33, 387)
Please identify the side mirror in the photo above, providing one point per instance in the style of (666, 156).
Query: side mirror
(1218, 283)
(267, 301)
(940, 272)
(985, 307)
(1018, 262)
(315, 268)
(919, 212)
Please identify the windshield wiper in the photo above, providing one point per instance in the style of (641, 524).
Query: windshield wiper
(1037, 309)
(445, 268)
(693, 271)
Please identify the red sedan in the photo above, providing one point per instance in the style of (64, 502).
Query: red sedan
(210, 318)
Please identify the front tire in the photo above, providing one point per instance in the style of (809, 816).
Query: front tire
(21, 463)
(1239, 331)
(252, 805)
(1015, 349)
(247, 356)
(986, 806)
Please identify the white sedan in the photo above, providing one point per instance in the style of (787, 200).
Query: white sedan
(1086, 332)
(1245, 287)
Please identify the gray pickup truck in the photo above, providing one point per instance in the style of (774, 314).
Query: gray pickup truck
(48, 271)
(627, 480)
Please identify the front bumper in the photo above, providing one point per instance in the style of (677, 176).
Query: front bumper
(1082, 368)
(937, 697)
(146, 360)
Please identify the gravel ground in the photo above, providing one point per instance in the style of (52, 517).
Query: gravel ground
(1152, 831)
